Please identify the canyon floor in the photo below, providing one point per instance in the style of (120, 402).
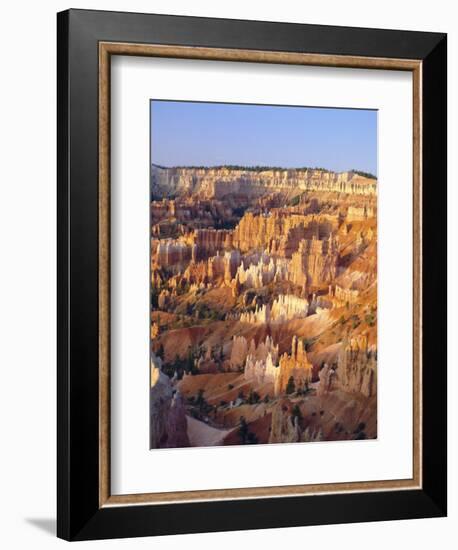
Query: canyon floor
(263, 306)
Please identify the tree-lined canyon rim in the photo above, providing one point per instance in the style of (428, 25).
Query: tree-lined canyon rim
(263, 277)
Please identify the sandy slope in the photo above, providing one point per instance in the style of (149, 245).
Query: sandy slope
(202, 435)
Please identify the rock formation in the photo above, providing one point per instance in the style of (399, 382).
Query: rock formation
(257, 270)
(279, 232)
(288, 373)
(284, 427)
(163, 299)
(207, 242)
(261, 315)
(287, 307)
(357, 366)
(295, 366)
(344, 295)
(169, 252)
(284, 308)
(261, 371)
(311, 436)
(263, 306)
(161, 394)
(261, 361)
(360, 213)
(315, 262)
(168, 425)
(327, 380)
(177, 424)
(239, 351)
(219, 182)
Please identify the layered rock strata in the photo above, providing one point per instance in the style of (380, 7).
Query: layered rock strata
(220, 182)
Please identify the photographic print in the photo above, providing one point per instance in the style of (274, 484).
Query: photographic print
(263, 230)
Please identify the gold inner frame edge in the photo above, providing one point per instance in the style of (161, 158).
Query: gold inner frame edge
(106, 50)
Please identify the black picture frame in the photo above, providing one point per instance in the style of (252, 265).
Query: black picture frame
(79, 515)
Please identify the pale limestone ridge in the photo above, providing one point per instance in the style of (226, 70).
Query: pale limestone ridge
(219, 182)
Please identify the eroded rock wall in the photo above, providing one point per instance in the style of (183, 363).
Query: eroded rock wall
(357, 366)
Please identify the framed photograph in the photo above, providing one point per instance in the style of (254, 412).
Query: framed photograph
(251, 274)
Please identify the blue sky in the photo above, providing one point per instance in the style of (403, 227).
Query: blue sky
(188, 133)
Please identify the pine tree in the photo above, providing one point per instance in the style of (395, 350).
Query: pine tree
(291, 386)
(296, 412)
(243, 430)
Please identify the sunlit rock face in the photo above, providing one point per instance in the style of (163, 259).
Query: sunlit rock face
(219, 182)
(280, 232)
(256, 275)
(261, 361)
(294, 369)
(169, 252)
(315, 262)
(263, 306)
(287, 307)
(360, 213)
(284, 308)
(261, 370)
(344, 295)
(261, 315)
(209, 241)
(287, 373)
(239, 351)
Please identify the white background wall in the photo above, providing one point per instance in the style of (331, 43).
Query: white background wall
(27, 273)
